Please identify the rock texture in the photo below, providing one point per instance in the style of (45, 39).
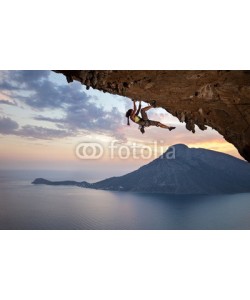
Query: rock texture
(220, 99)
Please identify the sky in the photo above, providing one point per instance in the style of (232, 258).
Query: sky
(47, 123)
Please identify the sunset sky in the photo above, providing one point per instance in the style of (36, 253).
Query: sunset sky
(43, 119)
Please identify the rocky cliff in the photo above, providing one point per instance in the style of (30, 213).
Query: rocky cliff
(219, 99)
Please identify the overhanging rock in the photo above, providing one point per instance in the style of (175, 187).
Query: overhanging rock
(219, 99)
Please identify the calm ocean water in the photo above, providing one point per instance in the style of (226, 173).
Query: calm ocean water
(27, 206)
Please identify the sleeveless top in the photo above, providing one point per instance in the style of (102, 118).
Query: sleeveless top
(137, 119)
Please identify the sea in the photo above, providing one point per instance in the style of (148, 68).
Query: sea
(24, 206)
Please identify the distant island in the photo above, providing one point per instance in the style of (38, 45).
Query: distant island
(65, 182)
(190, 171)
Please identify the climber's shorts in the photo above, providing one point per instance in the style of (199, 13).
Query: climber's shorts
(146, 122)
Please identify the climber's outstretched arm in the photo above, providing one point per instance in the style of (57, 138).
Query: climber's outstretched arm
(139, 109)
(134, 110)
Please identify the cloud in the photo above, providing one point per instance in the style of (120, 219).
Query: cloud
(36, 90)
(44, 118)
(20, 80)
(7, 126)
(2, 101)
(46, 95)
(30, 76)
(11, 127)
(44, 133)
(5, 99)
(89, 116)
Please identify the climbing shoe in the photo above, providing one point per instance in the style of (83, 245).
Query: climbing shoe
(171, 128)
(141, 128)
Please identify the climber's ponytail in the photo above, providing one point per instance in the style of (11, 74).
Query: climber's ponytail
(128, 113)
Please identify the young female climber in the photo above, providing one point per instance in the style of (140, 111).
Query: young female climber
(144, 121)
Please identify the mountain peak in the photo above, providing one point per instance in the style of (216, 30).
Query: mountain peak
(179, 146)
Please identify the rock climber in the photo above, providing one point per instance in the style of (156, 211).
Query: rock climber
(144, 121)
